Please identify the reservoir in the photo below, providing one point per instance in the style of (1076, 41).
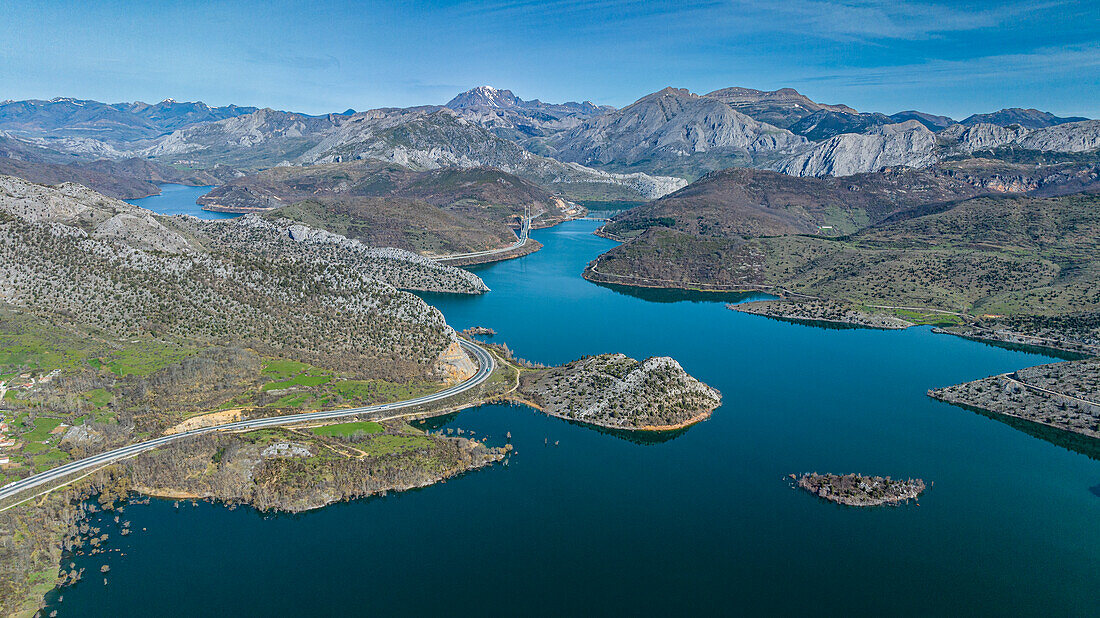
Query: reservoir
(704, 521)
(180, 200)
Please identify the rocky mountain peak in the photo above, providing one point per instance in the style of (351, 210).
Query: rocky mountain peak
(670, 91)
(486, 96)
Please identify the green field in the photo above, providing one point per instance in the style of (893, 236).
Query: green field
(285, 373)
(281, 369)
(98, 397)
(386, 444)
(42, 429)
(298, 380)
(378, 391)
(347, 429)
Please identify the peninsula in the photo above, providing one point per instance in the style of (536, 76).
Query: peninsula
(1061, 395)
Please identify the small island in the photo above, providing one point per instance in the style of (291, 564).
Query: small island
(618, 392)
(859, 490)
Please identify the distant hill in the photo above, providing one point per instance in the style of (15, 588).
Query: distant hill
(127, 179)
(113, 123)
(823, 124)
(382, 204)
(781, 108)
(1027, 118)
(736, 203)
(1018, 255)
(788, 109)
(932, 121)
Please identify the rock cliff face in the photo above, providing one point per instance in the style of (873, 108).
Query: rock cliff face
(456, 364)
(908, 144)
(983, 136)
(1080, 136)
(670, 130)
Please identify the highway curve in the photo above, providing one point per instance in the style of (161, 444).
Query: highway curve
(485, 362)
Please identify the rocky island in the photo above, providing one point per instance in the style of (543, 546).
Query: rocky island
(618, 392)
(859, 490)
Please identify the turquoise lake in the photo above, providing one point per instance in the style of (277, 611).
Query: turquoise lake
(585, 522)
(180, 200)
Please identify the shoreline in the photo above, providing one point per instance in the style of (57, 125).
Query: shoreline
(639, 430)
(1081, 351)
(649, 284)
(645, 429)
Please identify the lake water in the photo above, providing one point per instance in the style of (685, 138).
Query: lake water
(584, 522)
(180, 200)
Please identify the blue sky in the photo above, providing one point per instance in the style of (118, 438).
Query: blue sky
(952, 58)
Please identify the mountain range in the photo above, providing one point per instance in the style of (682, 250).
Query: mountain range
(580, 150)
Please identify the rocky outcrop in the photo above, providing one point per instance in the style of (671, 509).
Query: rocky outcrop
(295, 472)
(908, 144)
(293, 240)
(455, 364)
(613, 390)
(83, 211)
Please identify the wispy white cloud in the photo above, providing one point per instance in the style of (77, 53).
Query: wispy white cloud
(869, 20)
(1071, 60)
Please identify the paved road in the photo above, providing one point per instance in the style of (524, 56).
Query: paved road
(485, 362)
(1014, 377)
(524, 234)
